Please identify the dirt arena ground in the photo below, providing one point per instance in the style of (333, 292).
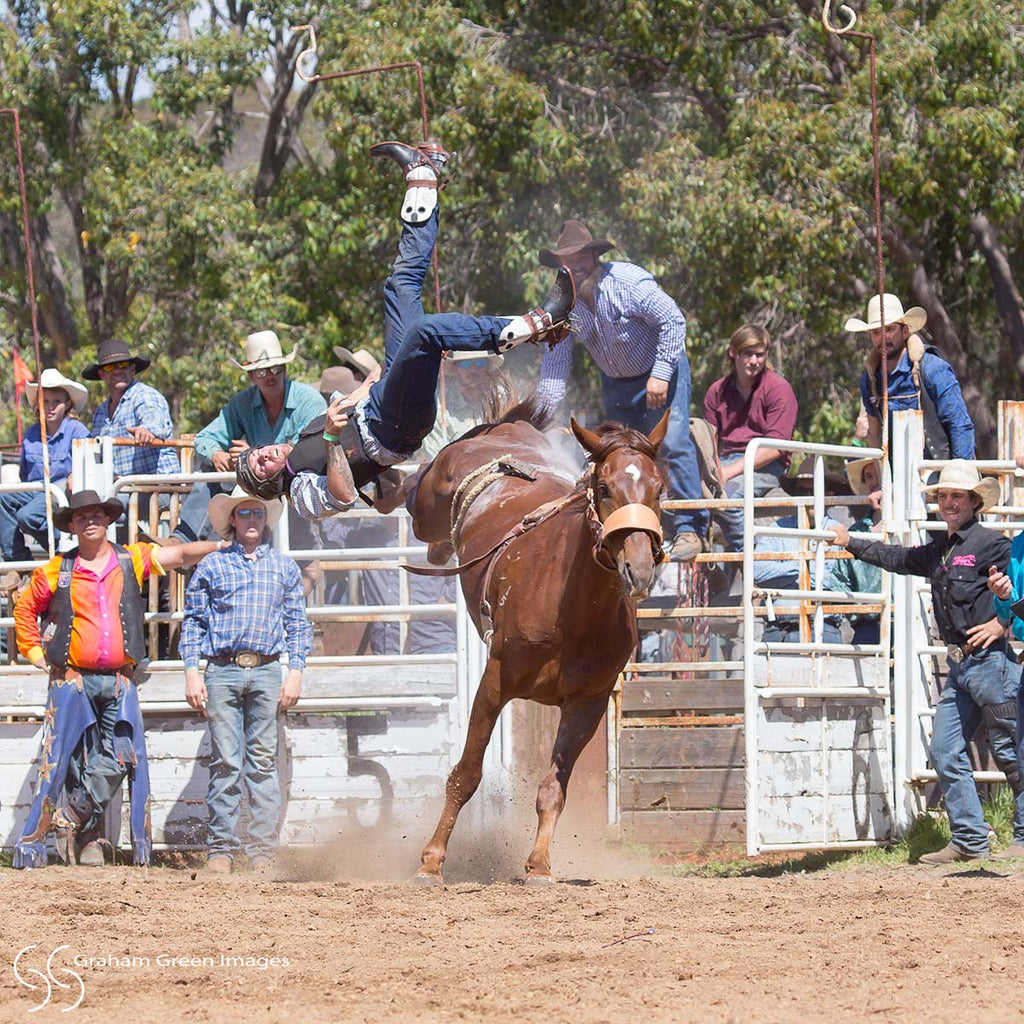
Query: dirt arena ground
(843, 944)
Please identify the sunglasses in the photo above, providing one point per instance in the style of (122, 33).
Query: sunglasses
(121, 364)
(255, 513)
(274, 371)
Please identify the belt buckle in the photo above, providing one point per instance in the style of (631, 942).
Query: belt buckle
(247, 659)
(955, 653)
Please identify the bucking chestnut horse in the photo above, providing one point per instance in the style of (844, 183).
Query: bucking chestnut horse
(551, 571)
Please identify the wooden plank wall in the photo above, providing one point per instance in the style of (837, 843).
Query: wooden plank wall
(681, 762)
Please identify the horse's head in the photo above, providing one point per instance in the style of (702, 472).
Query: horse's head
(626, 484)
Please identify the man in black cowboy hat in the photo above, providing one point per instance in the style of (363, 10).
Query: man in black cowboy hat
(637, 336)
(132, 409)
(91, 599)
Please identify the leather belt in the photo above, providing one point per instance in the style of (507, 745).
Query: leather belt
(244, 659)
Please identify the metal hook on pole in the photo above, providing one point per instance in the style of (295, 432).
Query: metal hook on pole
(847, 12)
(307, 54)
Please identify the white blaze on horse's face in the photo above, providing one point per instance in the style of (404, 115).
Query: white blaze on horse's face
(632, 472)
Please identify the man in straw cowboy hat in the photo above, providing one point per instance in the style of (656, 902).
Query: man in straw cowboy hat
(918, 378)
(272, 410)
(24, 512)
(131, 409)
(636, 334)
(91, 599)
(982, 683)
(390, 418)
(360, 362)
(244, 609)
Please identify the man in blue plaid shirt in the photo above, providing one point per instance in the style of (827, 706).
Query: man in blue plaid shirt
(242, 611)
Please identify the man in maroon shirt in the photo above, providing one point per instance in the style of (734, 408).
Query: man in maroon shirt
(751, 400)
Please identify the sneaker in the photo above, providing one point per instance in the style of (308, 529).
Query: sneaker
(1013, 852)
(685, 548)
(218, 864)
(947, 855)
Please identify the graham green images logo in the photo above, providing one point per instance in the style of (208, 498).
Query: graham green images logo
(34, 979)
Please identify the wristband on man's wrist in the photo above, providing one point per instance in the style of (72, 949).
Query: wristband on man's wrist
(332, 438)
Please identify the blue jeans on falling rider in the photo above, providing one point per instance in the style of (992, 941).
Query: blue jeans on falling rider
(985, 678)
(401, 408)
(242, 708)
(625, 400)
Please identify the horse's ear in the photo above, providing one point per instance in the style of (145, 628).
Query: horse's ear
(587, 438)
(657, 435)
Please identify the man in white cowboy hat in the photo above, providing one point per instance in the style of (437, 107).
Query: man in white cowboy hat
(24, 512)
(360, 362)
(91, 600)
(131, 409)
(244, 609)
(982, 683)
(918, 378)
(272, 410)
(636, 334)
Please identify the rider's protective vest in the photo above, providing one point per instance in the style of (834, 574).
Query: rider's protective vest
(310, 453)
(61, 612)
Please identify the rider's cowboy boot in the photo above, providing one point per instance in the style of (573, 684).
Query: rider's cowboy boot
(422, 166)
(549, 322)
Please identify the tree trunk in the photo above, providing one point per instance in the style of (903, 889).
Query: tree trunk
(54, 308)
(1008, 297)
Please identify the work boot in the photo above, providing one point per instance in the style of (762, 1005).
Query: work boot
(685, 548)
(949, 854)
(218, 864)
(422, 166)
(549, 322)
(1013, 852)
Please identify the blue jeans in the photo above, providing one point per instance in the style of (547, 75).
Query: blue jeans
(94, 769)
(731, 519)
(987, 679)
(402, 408)
(242, 708)
(22, 512)
(625, 400)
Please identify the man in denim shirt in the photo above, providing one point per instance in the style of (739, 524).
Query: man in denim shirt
(982, 682)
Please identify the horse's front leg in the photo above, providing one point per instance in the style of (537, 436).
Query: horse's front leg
(576, 725)
(465, 776)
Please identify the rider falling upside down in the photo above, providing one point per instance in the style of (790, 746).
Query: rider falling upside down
(384, 423)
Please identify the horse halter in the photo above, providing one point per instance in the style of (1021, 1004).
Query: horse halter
(625, 519)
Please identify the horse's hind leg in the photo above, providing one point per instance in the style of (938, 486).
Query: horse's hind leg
(465, 776)
(575, 728)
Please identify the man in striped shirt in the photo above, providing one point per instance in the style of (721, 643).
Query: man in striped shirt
(244, 609)
(637, 336)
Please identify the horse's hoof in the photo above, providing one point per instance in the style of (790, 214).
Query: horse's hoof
(425, 878)
(539, 880)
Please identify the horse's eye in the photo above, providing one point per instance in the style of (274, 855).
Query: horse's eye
(603, 493)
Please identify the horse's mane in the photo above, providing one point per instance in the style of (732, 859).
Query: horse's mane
(613, 435)
(503, 405)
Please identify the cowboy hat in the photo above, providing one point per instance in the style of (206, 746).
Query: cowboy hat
(263, 350)
(573, 238)
(961, 475)
(114, 350)
(359, 361)
(915, 317)
(337, 378)
(855, 474)
(53, 378)
(222, 505)
(86, 499)
(802, 483)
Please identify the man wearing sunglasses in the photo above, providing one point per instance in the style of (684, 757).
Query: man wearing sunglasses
(243, 610)
(131, 409)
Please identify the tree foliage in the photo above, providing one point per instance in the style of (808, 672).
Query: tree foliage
(187, 189)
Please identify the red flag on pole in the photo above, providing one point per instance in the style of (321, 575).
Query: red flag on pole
(22, 375)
